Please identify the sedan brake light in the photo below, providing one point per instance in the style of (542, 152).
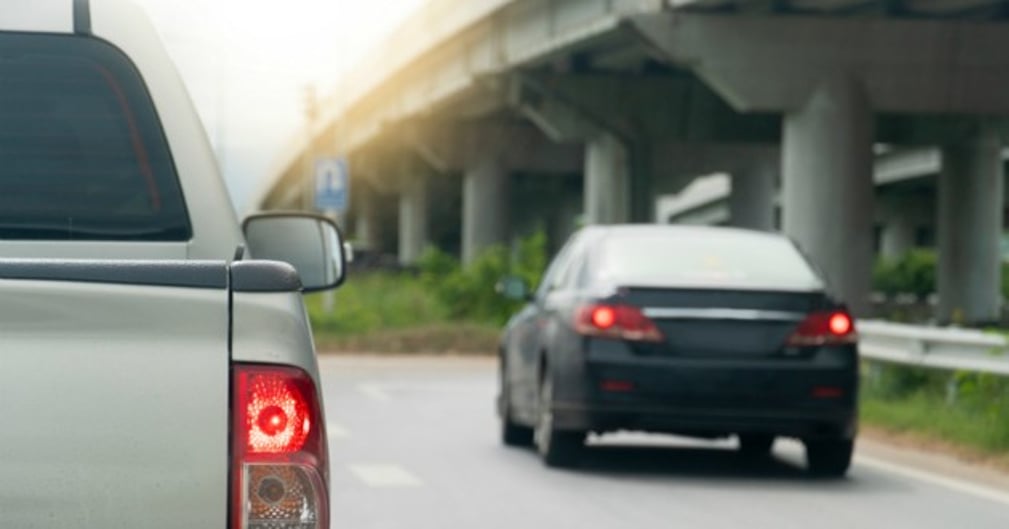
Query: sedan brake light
(280, 475)
(616, 321)
(824, 328)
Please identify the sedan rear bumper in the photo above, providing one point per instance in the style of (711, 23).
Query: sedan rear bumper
(609, 385)
(802, 424)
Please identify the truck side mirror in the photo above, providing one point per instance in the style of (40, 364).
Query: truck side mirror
(312, 244)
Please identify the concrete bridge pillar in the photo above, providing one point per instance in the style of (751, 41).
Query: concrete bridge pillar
(566, 219)
(827, 186)
(414, 221)
(367, 222)
(486, 200)
(607, 180)
(898, 218)
(897, 238)
(970, 207)
(751, 202)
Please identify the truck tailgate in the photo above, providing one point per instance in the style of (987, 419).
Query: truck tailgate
(114, 394)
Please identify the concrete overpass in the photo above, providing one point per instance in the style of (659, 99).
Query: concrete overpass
(905, 201)
(549, 108)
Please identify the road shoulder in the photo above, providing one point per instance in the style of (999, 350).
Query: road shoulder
(940, 459)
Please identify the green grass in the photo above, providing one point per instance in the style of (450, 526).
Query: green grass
(376, 302)
(922, 414)
(969, 410)
(444, 307)
(441, 339)
(394, 313)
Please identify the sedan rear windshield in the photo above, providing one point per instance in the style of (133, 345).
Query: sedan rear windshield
(82, 152)
(706, 258)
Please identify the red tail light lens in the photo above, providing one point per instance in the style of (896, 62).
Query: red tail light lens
(825, 328)
(277, 413)
(840, 324)
(280, 476)
(603, 317)
(616, 321)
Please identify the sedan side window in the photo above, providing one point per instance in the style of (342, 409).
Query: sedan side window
(582, 275)
(568, 274)
(553, 274)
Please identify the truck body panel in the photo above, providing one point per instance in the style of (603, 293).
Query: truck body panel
(125, 306)
(115, 401)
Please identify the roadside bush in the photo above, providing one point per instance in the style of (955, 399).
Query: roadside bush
(963, 407)
(887, 381)
(983, 394)
(376, 301)
(469, 292)
(913, 273)
(443, 306)
(531, 259)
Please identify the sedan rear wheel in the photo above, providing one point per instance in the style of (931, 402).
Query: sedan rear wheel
(755, 446)
(513, 434)
(557, 448)
(829, 458)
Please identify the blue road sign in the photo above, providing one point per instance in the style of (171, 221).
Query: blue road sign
(332, 185)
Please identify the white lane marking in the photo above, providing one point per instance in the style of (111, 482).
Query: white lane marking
(336, 430)
(385, 476)
(374, 391)
(934, 479)
(384, 391)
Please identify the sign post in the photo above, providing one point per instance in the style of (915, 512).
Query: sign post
(332, 185)
(332, 198)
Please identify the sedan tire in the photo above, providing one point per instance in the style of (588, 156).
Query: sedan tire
(755, 446)
(557, 448)
(516, 435)
(512, 433)
(829, 458)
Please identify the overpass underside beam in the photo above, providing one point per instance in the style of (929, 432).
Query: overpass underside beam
(775, 63)
(488, 153)
(618, 161)
(971, 201)
(830, 87)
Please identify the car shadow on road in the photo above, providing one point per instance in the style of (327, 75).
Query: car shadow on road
(683, 460)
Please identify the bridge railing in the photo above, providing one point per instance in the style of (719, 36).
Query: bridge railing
(934, 347)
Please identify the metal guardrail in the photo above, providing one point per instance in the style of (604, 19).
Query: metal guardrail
(934, 347)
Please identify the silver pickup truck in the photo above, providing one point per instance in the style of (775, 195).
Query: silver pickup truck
(156, 366)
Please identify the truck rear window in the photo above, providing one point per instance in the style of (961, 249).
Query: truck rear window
(82, 152)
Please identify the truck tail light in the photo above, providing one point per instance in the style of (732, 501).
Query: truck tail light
(616, 321)
(280, 476)
(824, 328)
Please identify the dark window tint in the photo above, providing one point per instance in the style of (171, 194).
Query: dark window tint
(82, 152)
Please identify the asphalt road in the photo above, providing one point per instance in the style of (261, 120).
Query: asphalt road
(413, 444)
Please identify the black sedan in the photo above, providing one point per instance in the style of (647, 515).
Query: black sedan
(706, 332)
